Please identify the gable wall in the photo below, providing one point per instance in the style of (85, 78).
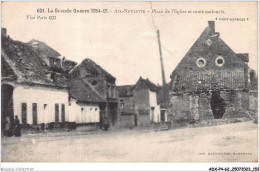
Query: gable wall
(141, 97)
(194, 83)
(189, 77)
(100, 86)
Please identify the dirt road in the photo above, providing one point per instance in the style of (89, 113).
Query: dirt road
(235, 142)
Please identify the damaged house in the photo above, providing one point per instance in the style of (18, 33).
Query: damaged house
(40, 86)
(30, 88)
(83, 101)
(211, 81)
(90, 77)
(140, 104)
(51, 57)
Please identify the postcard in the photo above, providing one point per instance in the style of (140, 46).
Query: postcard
(129, 82)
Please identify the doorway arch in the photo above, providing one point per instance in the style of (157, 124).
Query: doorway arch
(218, 105)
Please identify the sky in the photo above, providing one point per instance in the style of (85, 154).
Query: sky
(125, 44)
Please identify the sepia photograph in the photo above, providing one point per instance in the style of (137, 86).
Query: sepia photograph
(129, 82)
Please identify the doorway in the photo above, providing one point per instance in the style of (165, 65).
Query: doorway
(218, 105)
(7, 104)
(162, 116)
(135, 119)
(112, 113)
(56, 112)
(152, 114)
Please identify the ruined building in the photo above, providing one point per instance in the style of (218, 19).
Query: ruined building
(140, 104)
(89, 75)
(51, 57)
(211, 81)
(40, 86)
(30, 89)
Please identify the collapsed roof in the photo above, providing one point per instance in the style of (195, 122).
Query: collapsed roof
(27, 65)
(92, 68)
(44, 49)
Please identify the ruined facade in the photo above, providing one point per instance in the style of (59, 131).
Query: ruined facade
(211, 81)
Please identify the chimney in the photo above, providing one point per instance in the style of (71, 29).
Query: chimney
(63, 62)
(3, 31)
(35, 44)
(212, 26)
(243, 56)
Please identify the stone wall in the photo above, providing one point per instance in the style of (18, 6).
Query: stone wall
(204, 106)
(181, 108)
(184, 107)
(237, 103)
(253, 102)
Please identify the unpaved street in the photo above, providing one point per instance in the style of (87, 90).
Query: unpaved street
(222, 143)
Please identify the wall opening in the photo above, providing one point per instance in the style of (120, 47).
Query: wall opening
(24, 114)
(112, 114)
(56, 112)
(34, 112)
(218, 105)
(152, 114)
(6, 104)
(62, 112)
(162, 116)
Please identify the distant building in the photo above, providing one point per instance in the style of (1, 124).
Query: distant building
(126, 99)
(140, 104)
(211, 81)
